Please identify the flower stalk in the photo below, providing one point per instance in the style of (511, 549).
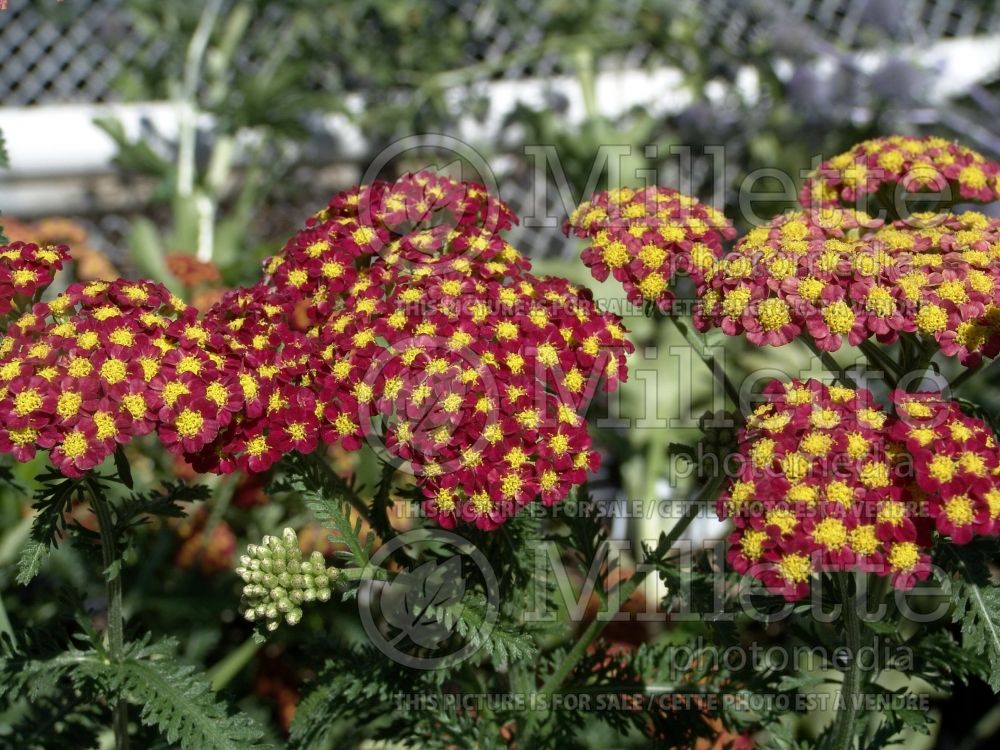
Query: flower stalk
(116, 619)
(624, 592)
(850, 693)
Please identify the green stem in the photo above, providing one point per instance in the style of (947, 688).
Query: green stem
(579, 650)
(521, 680)
(879, 360)
(187, 99)
(923, 364)
(850, 692)
(224, 671)
(718, 372)
(624, 593)
(906, 349)
(919, 360)
(116, 620)
(656, 448)
(5, 626)
(955, 384)
(583, 61)
(360, 574)
(829, 362)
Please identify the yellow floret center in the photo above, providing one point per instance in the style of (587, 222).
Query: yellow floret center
(74, 444)
(831, 533)
(752, 543)
(904, 556)
(773, 314)
(959, 510)
(795, 568)
(189, 423)
(114, 371)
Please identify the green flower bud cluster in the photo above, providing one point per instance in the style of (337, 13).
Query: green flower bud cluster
(278, 580)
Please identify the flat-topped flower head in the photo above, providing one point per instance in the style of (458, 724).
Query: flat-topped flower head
(914, 164)
(423, 224)
(421, 220)
(76, 372)
(644, 237)
(476, 385)
(842, 277)
(420, 200)
(26, 269)
(398, 316)
(435, 343)
(956, 463)
(820, 489)
(788, 277)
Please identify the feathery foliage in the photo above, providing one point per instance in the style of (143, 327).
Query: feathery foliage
(52, 500)
(173, 698)
(331, 499)
(977, 607)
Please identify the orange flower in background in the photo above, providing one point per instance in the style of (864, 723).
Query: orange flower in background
(190, 271)
(90, 264)
(278, 683)
(211, 550)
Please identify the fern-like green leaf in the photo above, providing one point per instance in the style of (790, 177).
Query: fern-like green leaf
(977, 608)
(361, 685)
(173, 698)
(30, 562)
(501, 642)
(378, 510)
(337, 517)
(34, 669)
(165, 503)
(63, 721)
(52, 500)
(7, 478)
(333, 500)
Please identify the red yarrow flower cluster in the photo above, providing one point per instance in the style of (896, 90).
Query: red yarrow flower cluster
(437, 345)
(87, 371)
(842, 277)
(644, 237)
(107, 362)
(423, 199)
(956, 464)
(820, 490)
(929, 164)
(25, 270)
(480, 386)
(829, 481)
(267, 380)
(397, 316)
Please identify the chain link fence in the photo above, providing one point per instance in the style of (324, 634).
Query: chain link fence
(75, 50)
